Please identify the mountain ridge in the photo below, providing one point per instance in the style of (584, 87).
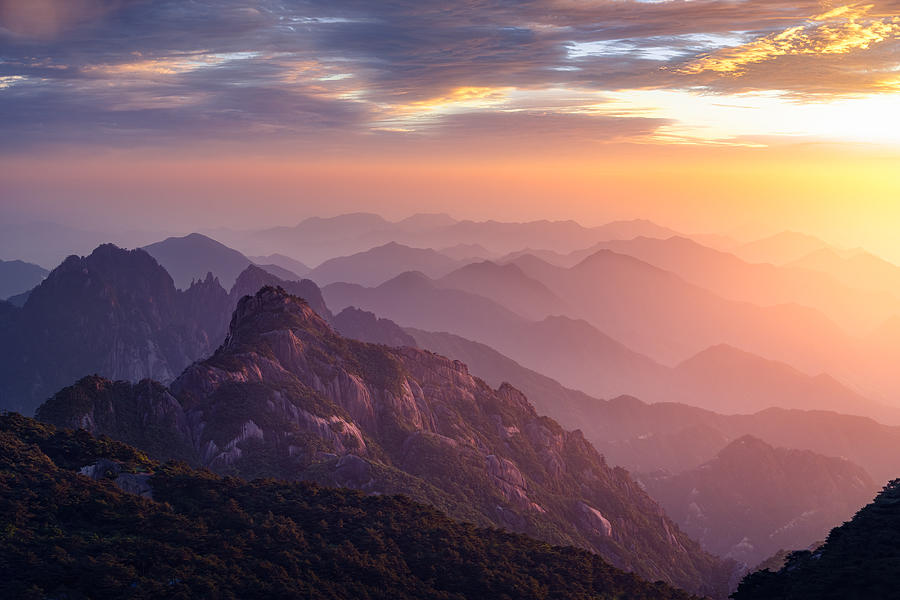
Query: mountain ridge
(284, 386)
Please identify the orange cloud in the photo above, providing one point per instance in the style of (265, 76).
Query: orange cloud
(839, 31)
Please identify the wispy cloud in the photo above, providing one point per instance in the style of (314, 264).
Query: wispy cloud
(838, 31)
(327, 72)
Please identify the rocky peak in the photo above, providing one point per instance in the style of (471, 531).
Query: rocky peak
(114, 312)
(253, 278)
(272, 309)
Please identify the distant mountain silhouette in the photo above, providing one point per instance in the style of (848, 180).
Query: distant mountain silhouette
(17, 277)
(859, 269)
(561, 347)
(556, 346)
(318, 239)
(285, 262)
(780, 248)
(507, 285)
(377, 265)
(191, 257)
(660, 315)
(547, 395)
(753, 499)
(467, 252)
(764, 284)
(729, 380)
(646, 437)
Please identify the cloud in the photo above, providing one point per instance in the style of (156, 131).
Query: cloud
(839, 31)
(324, 72)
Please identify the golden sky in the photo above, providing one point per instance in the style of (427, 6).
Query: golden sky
(739, 116)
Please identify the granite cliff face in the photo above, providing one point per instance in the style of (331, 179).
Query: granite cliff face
(286, 396)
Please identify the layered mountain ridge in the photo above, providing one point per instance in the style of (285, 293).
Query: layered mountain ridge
(285, 396)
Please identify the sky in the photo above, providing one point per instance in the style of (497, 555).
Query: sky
(706, 115)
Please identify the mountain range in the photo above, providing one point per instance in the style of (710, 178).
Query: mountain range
(17, 277)
(318, 239)
(191, 257)
(763, 284)
(286, 396)
(561, 346)
(377, 265)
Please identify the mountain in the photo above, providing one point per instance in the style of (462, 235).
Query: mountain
(318, 239)
(728, 380)
(556, 346)
(191, 257)
(753, 499)
(552, 257)
(859, 269)
(675, 437)
(780, 248)
(507, 285)
(760, 283)
(560, 347)
(644, 437)
(115, 312)
(628, 229)
(467, 252)
(286, 397)
(101, 520)
(285, 262)
(547, 395)
(17, 277)
(253, 278)
(658, 314)
(366, 327)
(425, 221)
(377, 265)
(856, 561)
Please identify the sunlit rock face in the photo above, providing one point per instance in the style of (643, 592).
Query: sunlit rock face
(285, 396)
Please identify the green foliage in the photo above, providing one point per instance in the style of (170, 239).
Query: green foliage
(860, 560)
(63, 535)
